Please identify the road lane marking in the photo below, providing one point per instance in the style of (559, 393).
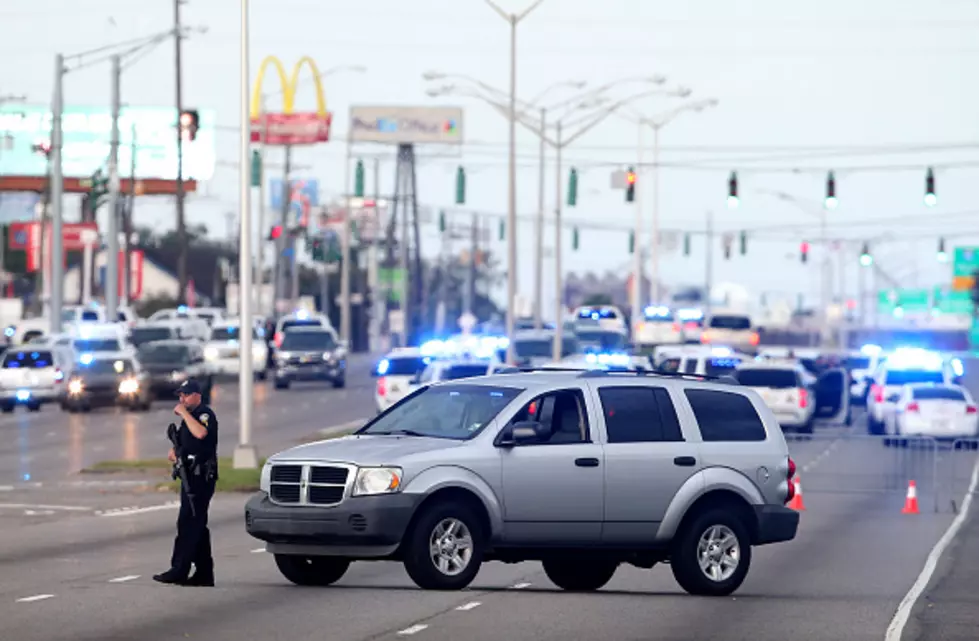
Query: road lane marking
(124, 579)
(819, 457)
(29, 506)
(6, 488)
(36, 597)
(472, 605)
(896, 629)
(415, 629)
(129, 511)
(520, 586)
(40, 513)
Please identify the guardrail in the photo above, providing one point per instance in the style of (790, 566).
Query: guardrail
(958, 472)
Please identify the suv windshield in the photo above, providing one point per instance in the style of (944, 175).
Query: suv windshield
(730, 322)
(775, 378)
(151, 353)
(229, 333)
(28, 359)
(938, 393)
(108, 366)
(447, 411)
(143, 335)
(98, 345)
(601, 339)
(456, 372)
(906, 376)
(295, 341)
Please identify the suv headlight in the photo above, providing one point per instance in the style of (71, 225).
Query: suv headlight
(377, 480)
(129, 386)
(75, 386)
(265, 481)
(211, 353)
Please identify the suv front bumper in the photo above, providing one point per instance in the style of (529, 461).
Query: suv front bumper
(369, 526)
(776, 524)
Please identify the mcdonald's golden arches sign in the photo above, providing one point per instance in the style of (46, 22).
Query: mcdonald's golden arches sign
(289, 127)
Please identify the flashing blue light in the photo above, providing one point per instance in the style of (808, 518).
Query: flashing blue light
(433, 348)
(86, 359)
(585, 312)
(957, 368)
(182, 309)
(870, 350)
(383, 367)
(9, 332)
(657, 311)
(302, 314)
(689, 314)
(915, 358)
(620, 360)
(23, 395)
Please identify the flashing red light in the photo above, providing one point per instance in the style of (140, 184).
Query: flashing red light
(631, 178)
(803, 398)
(805, 247)
(276, 232)
(970, 409)
(913, 407)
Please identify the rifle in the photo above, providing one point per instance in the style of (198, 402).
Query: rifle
(179, 469)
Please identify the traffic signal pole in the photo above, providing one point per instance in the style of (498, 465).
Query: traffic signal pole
(57, 189)
(260, 257)
(111, 284)
(557, 349)
(539, 267)
(181, 220)
(346, 269)
(636, 293)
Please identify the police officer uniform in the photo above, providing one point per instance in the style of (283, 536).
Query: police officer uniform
(193, 542)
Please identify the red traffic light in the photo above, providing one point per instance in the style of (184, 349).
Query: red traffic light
(805, 247)
(275, 233)
(630, 178)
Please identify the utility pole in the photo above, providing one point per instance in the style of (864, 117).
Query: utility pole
(377, 301)
(346, 269)
(557, 351)
(539, 267)
(655, 245)
(57, 187)
(181, 220)
(112, 258)
(260, 258)
(127, 222)
(636, 293)
(709, 267)
(289, 240)
(469, 293)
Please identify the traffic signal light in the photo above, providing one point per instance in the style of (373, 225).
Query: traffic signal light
(831, 201)
(42, 147)
(256, 169)
(732, 191)
(574, 239)
(804, 251)
(190, 122)
(686, 244)
(744, 243)
(573, 188)
(359, 180)
(502, 229)
(632, 242)
(727, 247)
(942, 254)
(931, 199)
(865, 258)
(275, 233)
(441, 221)
(98, 188)
(317, 250)
(630, 185)
(461, 186)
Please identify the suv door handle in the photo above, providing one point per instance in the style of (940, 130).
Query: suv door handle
(586, 462)
(685, 461)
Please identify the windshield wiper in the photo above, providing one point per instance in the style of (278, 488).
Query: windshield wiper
(397, 433)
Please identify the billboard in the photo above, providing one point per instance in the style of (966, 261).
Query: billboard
(86, 141)
(303, 195)
(18, 206)
(289, 127)
(406, 125)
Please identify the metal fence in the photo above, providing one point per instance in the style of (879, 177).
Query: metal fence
(847, 463)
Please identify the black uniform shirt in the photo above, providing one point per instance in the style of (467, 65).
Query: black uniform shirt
(202, 448)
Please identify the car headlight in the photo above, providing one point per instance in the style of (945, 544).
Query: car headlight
(129, 386)
(178, 375)
(265, 481)
(211, 353)
(327, 356)
(377, 480)
(75, 386)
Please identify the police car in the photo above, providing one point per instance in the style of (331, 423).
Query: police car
(701, 361)
(604, 316)
(222, 351)
(862, 366)
(659, 326)
(395, 373)
(906, 366)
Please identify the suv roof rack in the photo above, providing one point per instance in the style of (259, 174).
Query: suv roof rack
(600, 373)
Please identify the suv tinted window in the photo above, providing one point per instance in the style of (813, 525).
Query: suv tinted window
(775, 378)
(141, 335)
(639, 415)
(723, 416)
(300, 323)
(466, 371)
(938, 393)
(730, 322)
(308, 340)
(89, 315)
(98, 345)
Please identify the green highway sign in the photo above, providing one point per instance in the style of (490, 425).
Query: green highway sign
(924, 300)
(965, 263)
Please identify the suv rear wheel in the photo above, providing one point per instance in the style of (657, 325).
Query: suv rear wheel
(444, 548)
(583, 576)
(312, 570)
(712, 554)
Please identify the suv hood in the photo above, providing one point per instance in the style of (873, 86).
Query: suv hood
(366, 449)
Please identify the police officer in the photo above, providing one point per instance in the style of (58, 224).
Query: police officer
(198, 439)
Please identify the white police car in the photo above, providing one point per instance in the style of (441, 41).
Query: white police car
(906, 366)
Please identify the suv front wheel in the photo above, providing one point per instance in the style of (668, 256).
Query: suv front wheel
(312, 570)
(581, 576)
(444, 548)
(712, 554)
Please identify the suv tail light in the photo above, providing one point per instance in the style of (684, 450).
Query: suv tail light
(676, 327)
(970, 409)
(913, 407)
(878, 393)
(278, 339)
(790, 482)
(382, 387)
(58, 375)
(803, 398)
(754, 339)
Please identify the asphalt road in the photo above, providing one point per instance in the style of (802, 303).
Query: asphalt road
(79, 570)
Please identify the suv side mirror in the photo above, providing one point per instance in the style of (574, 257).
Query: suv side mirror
(521, 433)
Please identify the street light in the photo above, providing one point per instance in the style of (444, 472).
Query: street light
(657, 123)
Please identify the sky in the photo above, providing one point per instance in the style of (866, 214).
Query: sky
(874, 91)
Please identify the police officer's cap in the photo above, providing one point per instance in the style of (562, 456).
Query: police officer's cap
(190, 386)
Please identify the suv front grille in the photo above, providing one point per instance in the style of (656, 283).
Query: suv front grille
(320, 485)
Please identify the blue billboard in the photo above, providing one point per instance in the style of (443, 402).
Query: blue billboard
(303, 195)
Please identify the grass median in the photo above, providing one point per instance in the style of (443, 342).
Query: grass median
(229, 478)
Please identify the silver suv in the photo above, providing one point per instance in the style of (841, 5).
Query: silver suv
(582, 471)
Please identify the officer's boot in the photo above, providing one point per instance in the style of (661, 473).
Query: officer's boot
(202, 578)
(173, 576)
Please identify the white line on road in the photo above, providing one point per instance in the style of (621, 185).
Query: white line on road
(472, 605)
(36, 597)
(28, 506)
(520, 586)
(896, 628)
(415, 629)
(128, 511)
(819, 457)
(124, 579)
(6, 488)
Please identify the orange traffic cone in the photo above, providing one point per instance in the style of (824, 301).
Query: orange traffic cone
(911, 502)
(796, 502)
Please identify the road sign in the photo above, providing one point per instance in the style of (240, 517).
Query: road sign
(964, 264)
(912, 301)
